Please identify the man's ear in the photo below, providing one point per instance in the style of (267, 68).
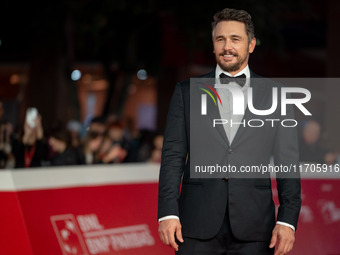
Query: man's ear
(252, 45)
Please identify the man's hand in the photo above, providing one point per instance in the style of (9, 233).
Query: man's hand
(167, 230)
(286, 237)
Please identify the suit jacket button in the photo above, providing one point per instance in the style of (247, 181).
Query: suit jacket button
(230, 151)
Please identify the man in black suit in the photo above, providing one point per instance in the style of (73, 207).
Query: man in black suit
(229, 215)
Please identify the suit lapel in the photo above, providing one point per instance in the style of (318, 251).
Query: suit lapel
(213, 111)
(257, 91)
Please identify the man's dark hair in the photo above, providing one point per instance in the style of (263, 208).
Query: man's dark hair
(235, 15)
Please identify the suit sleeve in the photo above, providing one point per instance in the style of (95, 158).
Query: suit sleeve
(174, 154)
(286, 153)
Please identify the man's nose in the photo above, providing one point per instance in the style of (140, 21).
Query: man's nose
(227, 45)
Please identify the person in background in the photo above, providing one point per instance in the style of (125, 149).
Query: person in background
(119, 145)
(75, 127)
(145, 145)
(60, 143)
(105, 148)
(6, 131)
(89, 150)
(156, 154)
(30, 150)
(310, 146)
(6, 139)
(97, 126)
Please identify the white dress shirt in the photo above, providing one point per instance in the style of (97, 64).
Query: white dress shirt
(226, 108)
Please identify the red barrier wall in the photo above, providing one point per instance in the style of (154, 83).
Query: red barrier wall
(113, 209)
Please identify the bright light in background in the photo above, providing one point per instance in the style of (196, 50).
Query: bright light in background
(142, 74)
(75, 75)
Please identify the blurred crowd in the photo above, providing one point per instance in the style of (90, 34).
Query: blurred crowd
(103, 141)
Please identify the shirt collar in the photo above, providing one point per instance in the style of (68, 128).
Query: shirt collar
(219, 70)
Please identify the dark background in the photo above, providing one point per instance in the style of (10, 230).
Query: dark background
(43, 42)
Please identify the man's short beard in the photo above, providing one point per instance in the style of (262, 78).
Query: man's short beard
(231, 68)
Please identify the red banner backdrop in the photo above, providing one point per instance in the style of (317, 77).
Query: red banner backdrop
(101, 210)
(112, 210)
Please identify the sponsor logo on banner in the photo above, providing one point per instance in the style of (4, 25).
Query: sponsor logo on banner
(69, 237)
(330, 212)
(306, 214)
(88, 236)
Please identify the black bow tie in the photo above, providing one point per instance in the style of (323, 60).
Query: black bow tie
(240, 80)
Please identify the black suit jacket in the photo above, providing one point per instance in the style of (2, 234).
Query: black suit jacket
(201, 203)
